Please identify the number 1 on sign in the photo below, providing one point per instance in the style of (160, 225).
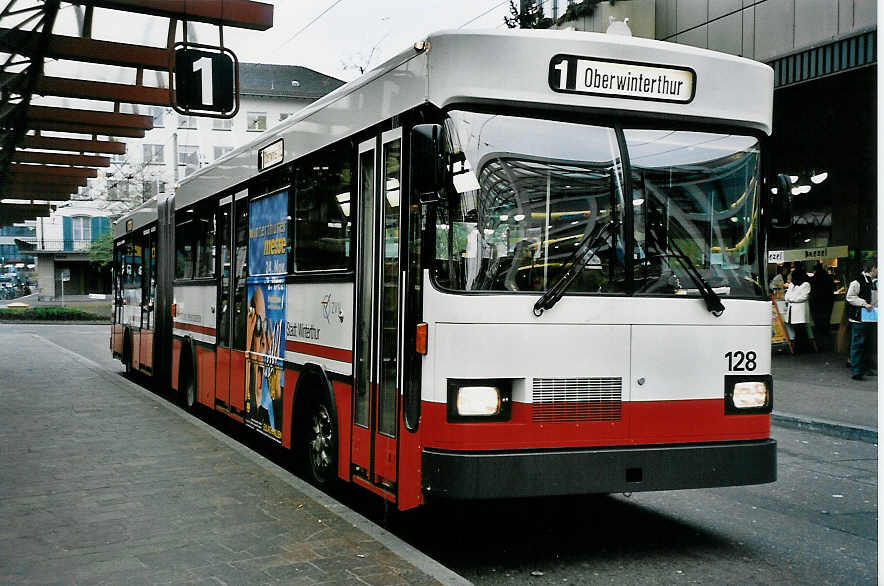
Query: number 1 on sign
(562, 67)
(204, 66)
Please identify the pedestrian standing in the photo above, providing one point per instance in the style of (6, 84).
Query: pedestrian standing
(797, 294)
(777, 282)
(822, 290)
(861, 295)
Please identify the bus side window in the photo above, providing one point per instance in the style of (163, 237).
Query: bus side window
(184, 249)
(322, 211)
(204, 244)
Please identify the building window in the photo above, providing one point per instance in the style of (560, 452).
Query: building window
(222, 124)
(82, 231)
(118, 189)
(153, 154)
(152, 188)
(159, 116)
(189, 157)
(220, 151)
(186, 121)
(148, 189)
(256, 121)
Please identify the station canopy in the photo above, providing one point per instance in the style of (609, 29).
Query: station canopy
(77, 76)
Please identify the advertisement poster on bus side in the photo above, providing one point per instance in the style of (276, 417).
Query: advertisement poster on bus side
(268, 234)
(265, 342)
(265, 322)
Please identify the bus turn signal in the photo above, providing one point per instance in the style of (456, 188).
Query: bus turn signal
(420, 343)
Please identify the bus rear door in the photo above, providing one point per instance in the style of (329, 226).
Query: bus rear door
(224, 315)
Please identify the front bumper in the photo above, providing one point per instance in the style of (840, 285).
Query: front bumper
(489, 475)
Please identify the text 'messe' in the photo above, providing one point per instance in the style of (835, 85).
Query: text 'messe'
(621, 79)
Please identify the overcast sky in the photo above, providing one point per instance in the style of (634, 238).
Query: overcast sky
(325, 35)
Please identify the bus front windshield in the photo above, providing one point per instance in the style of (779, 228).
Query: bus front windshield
(531, 200)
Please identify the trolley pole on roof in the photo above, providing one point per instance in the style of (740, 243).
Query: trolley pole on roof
(175, 158)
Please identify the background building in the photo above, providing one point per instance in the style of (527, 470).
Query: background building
(177, 146)
(62, 244)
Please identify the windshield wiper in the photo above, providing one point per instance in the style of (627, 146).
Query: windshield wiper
(578, 263)
(713, 301)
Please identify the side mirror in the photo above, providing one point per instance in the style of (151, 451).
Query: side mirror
(427, 167)
(780, 203)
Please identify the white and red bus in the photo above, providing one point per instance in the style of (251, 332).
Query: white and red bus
(501, 264)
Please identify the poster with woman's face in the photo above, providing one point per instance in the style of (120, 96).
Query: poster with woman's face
(265, 320)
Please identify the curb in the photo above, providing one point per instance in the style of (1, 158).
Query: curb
(839, 429)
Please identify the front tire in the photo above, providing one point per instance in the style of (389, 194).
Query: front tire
(127, 353)
(320, 444)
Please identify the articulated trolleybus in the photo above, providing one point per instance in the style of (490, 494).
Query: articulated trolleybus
(499, 265)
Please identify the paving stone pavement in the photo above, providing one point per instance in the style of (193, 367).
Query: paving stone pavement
(102, 483)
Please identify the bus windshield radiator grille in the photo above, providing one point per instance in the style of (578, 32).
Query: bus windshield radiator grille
(558, 400)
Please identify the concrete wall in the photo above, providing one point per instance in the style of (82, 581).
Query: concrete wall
(761, 30)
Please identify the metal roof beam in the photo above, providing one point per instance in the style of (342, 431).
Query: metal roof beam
(44, 194)
(92, 117)
(74, 144)
(235, 13)
(28, 180)
(87, 50)
(86, 129)
(60, 159)
(17, 212)
(19, 169)
(101, 90)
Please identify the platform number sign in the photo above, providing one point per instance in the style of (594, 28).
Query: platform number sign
(205, 82)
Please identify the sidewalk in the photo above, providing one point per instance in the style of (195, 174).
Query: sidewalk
(815, 391)
(102, 483)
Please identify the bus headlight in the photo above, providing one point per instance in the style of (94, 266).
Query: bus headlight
(479, 399)
(748, 394)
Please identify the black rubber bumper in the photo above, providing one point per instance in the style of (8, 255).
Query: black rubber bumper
(490, 475)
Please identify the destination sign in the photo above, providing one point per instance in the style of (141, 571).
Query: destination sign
(271, 155)
(621, 79)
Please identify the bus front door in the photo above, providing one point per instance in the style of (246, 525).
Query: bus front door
(377, 371)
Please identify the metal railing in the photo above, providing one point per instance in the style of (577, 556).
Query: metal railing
(42, 245)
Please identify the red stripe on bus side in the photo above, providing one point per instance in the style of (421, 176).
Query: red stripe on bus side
(194, 328)
(338, 354)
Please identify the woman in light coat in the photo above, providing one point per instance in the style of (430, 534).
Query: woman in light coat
(797, 312)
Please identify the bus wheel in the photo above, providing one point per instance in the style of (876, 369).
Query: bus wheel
(127, 353)
(320, 443)
(187, 387)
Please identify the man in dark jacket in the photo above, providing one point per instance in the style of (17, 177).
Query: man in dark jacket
(859, 297)
(822, 289)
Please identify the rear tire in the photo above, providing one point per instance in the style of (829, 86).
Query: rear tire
(187, 384)
(320, 442)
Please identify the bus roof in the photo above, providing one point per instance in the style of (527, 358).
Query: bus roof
(514, 68)
(136, 219)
